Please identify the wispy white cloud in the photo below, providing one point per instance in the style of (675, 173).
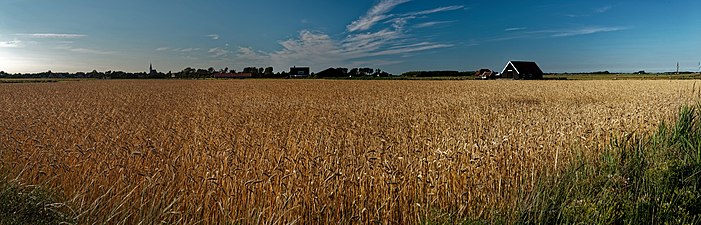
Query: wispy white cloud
(585, 31)
(359, 46)
(188, 49)
(308, 48)
(218, 52)
(91, 51)
(381, 12)
(515, 28)
(374, 15)
(213, 36)
(11, 44)
(322, 50)
(604, 9)
(251, 55)
(84, 50)
(47, 35)
(410, 49)
(436, 10)
(24, 40)
(161, 49)
(599, 10)
(430, 24)
(525, 33)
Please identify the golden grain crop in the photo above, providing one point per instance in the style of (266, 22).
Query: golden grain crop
(311, 151)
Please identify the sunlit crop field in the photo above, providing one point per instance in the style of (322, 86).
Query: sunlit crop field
(312, 151)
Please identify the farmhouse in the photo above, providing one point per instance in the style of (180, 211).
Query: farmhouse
(486, 74)
(299, 71)
(522, 70)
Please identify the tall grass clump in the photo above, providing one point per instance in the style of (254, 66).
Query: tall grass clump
(638, 179)
(30, 204)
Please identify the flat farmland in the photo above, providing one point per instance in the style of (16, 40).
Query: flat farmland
(312, 151)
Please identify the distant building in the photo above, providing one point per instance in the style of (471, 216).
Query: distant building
(233, 75)
(299, 71)
(522, 70)
(151, 71)
(486, 74)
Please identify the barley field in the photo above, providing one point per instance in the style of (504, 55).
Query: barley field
(312, 151)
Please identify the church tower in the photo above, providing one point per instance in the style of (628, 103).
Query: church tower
(151, 71)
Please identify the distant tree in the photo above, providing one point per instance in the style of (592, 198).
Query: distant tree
(157, 75)
(190, 72)
(268, 71)
(365, 71)
(186, 73)
(201, 73)
(380, 73)
(123, 75)
(252, 70)
(332, 72)
(353, 72)
(436, 74)
(94, 74)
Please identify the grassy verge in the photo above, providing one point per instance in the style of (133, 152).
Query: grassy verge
(622, 76)
(30, 204)
(649, 179)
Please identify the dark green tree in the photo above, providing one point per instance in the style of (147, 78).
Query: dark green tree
(268, 71)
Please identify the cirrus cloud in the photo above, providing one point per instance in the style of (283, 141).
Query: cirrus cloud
(376, 14)
(11, 44)
(214, 36)
(91, 51)
(49, 35)
(359, 45)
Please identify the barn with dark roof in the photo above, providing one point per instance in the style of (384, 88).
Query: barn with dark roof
(522, 70)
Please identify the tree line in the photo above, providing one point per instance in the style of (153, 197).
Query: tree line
(256, 72)
(443, 73)
(187, 73)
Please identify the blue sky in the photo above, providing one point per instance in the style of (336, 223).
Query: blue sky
(395, 35)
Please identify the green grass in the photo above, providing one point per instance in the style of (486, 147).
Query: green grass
(621, 76)
(639, 179)
(30, 204)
